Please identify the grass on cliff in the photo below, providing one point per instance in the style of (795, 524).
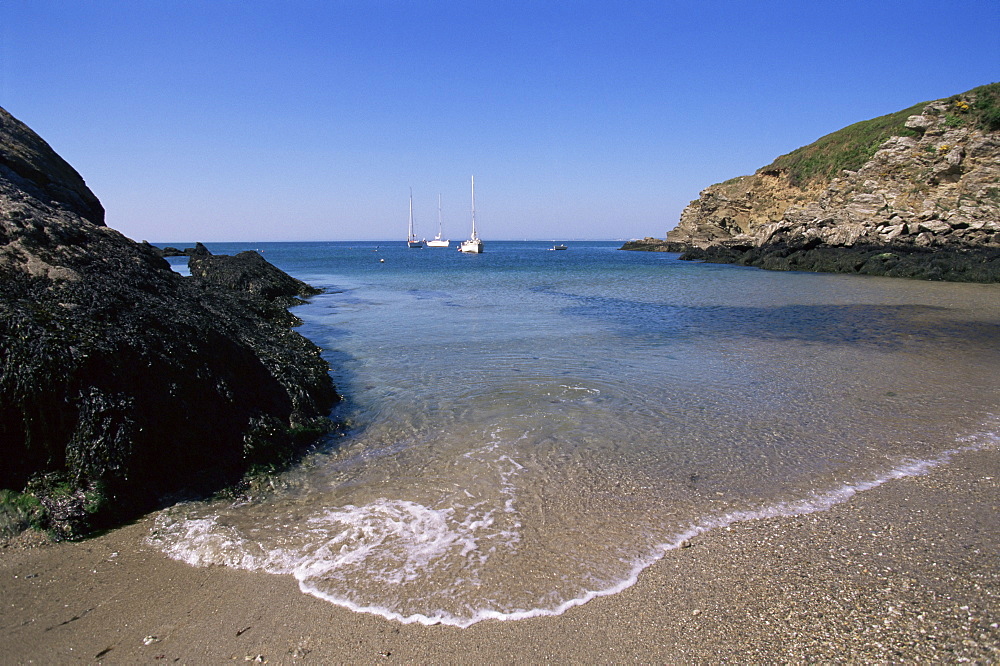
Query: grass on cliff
(849, 148)
(984, 112)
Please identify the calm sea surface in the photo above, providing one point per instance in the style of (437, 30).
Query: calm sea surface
(529, 428)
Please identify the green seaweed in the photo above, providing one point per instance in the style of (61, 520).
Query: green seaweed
(19, 512)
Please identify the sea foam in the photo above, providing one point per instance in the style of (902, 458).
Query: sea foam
(368, 558)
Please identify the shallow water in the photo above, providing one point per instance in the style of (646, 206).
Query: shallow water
(530, 429)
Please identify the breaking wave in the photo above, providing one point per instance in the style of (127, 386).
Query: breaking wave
(452, 565)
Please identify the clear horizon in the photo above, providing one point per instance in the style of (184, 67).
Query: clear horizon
(454, 241)
(310, 121)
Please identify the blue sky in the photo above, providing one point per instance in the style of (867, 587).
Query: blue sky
(294, 120)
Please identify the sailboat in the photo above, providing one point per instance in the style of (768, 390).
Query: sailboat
(473, 245)
(411, 239)
(438, 241)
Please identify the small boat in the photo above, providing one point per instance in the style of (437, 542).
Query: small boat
(474, 244)
(411, 239)
(558, 246)
(438, 241)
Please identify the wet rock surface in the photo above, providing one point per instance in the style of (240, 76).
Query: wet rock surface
(949, 264)
(250, 273)
(653, 245)
(123, 383)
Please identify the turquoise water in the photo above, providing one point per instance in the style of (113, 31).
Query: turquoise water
(529, 429)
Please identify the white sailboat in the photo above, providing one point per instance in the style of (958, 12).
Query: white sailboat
(411, 239)
(474, 244)
(438, 241)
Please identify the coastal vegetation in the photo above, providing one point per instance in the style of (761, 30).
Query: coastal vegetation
(849, 148)
(983, 113)
(908, 194)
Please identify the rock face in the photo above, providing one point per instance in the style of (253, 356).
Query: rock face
(122, 382)
(927, 192)
(42, 174)
(650, 244)
(250, 273)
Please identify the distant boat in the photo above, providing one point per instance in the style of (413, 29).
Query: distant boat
(411, 239)
(558, 246)
(474, 244)
(438, 241)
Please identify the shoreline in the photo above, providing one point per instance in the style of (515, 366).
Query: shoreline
(960, 264)
(906, 570)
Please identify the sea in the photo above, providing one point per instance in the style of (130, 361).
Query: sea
(527, 429)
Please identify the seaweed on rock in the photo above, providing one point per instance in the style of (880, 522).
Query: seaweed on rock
(122, 382)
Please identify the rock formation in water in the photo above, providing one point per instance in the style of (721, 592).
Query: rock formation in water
(651, 244)
(121, 382)
(910, 194)
(251, 273)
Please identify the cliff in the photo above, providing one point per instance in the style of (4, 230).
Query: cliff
(122, 383)
(915, 194)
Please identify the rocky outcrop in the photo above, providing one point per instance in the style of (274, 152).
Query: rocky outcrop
(930, 181)
(39, 173)
(196, 251)
(942, 263)
(251, 273)
(738, 207)
(650, 244)
(121, 382)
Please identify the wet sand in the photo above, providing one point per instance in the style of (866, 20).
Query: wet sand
(904, 572)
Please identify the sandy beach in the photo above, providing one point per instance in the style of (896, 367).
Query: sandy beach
(908, 571)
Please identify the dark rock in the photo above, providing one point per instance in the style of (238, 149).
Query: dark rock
(251, 273)
(172, 252)
(907, 261)
(42, 174)
(149, 247)
(198, 250)
(653, 245)
(122, 382)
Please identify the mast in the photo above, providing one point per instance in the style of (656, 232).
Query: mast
(474, 208)
(410, 237)
(439, 217)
